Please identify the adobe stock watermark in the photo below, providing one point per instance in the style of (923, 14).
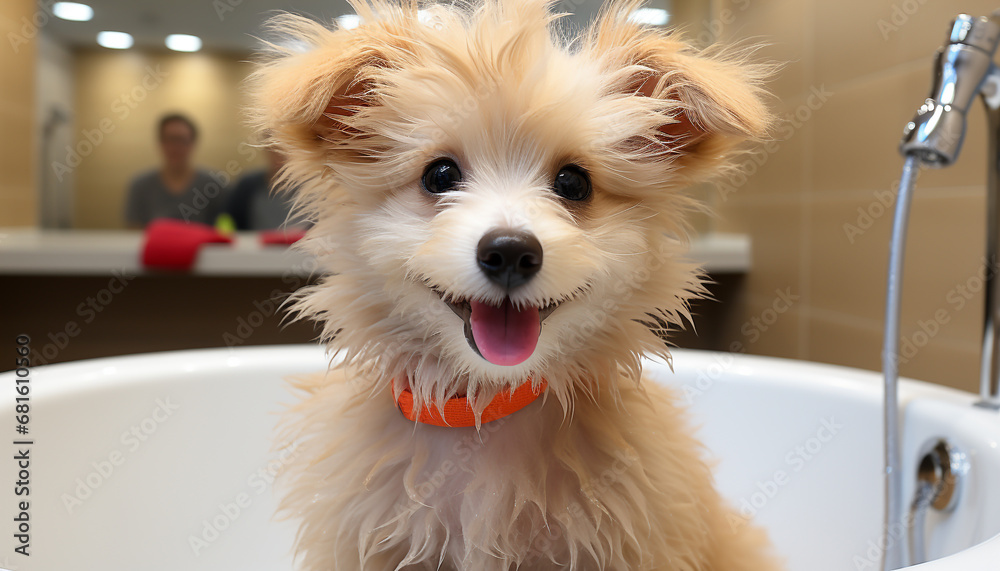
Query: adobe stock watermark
(206, 195)
(870, 214)
(293, 277)
(876, 549)
(247, 324)
(105, 468)
(883, 203)
(757, 325)
(582, 330)
(617, 467)
(608, 478)
(121, 108)
(230, 510)
(223, 8)
(460, 112)
(711, 30)
(752, 329)
(899, 16)
(462, 454)
(956, 299)
(792, 122)
(796, 460)
(30, 27)
(87, 310)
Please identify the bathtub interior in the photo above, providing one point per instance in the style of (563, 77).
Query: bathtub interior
(805, 465)
(799, 447)
(161, 462)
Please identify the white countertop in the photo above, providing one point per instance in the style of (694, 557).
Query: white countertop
(99, 252)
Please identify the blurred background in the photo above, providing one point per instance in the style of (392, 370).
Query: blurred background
(797, 249)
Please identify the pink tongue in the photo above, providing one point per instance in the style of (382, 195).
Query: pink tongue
(504, 335)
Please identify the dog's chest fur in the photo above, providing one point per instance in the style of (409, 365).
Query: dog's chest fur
(617, 486)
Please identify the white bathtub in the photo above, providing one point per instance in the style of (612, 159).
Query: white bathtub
(159, 462)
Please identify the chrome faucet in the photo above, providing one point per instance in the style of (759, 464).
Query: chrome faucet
(963, 69)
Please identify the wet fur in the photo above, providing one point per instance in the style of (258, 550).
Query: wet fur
(602, 473)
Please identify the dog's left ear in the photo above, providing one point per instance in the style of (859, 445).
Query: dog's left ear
(700, 105)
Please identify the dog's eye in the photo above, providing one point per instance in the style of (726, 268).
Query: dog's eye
(572, 183)
(441, 176)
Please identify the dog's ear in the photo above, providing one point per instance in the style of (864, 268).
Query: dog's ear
(312, 102)
(711, 97)
(698, 106)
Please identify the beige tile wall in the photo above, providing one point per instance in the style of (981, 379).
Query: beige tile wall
(17, 112)
(835, 165)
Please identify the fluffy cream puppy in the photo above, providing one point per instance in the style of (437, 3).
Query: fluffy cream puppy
(497, 206)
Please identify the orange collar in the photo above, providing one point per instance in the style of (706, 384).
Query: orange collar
(458, 413)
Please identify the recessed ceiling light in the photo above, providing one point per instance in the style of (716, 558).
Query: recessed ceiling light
(183, 43)
(73, 11)
(650, 16)
(115, 40)
(349, 21)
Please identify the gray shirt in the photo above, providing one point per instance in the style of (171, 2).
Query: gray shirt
(253, 205)
(149, 198)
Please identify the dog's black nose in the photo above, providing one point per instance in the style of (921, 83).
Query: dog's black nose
(509, 257)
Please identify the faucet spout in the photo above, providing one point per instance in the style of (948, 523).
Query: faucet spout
(961, 67)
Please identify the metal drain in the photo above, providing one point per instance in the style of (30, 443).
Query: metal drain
(939, 484)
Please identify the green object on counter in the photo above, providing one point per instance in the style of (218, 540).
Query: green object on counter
(225, 224)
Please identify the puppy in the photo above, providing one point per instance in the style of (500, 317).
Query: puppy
(498, 211)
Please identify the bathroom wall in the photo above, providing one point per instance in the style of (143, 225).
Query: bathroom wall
(124, 94)
(19, 32)
(818, 199)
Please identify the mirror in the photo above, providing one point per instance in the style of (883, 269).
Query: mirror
(99, 108)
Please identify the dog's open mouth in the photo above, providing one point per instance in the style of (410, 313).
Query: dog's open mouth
(503, 335)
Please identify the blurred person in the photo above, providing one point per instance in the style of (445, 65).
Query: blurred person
(253, 203)
(176, 189)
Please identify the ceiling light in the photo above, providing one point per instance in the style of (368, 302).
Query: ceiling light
(115, 40)
(183, 43)
(650, 16)
(349, 21)
(73, 11)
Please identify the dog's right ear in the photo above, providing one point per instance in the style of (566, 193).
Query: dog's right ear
(315, 102)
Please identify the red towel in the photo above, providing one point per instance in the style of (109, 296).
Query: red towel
(281, 237)
(173, 244)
